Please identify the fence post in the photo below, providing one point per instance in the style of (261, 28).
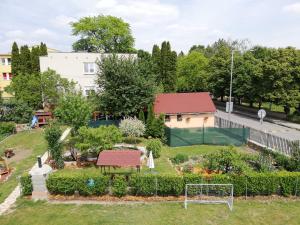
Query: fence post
(268, 136)
(203, 134)
(244, 135)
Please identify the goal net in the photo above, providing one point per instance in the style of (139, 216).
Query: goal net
(209, 194)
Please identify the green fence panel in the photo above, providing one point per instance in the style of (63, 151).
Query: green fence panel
(209, 135)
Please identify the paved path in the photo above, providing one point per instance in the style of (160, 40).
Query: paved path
(11, 199)
(276, 129)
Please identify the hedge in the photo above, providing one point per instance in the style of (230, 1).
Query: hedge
(26, 184)
(84, 183)
(280, 183)
(119, 186)
(7, 128)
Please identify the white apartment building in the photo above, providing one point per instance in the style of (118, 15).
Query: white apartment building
(80, 67)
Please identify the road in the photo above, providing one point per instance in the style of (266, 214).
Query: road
(278, 130)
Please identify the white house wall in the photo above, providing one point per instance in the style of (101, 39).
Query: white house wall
(70, 65)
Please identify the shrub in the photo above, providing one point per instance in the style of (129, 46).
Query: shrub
(26, 184)
(155, 127)
(67, 183)
(17, 111)
(227, 161)
(7, 128)
(180, 158)
(132, 127)
(97, 139)
(119, 187)
(155, 146)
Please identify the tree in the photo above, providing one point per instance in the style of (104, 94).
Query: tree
(15, 59)
(52, 135)
(53, 87)
(94, 140)
(192, 72)
(125, 90)
(164, 66)
(25, 60)
(37, 89)
(27, 88)
(103, 33)
(43, 49)
(142, 116)
(35, 61)
(73, 110)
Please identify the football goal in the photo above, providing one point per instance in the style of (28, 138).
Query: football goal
(209, 194)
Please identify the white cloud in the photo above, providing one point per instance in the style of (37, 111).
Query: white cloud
(293, 8)
(14, 34)
(62, 21)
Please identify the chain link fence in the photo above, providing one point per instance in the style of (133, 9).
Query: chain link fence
(261, 138)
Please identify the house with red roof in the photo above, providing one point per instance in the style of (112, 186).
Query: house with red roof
(186, 110)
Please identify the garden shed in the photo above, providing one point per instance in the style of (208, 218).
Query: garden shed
(186, 110)
(119, 158)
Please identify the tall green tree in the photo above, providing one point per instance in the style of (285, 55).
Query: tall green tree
(125, 90)
(35, 61)
(25, 60)
(164, 64)
(15, 59)
(103, 33)
(192, 74)
(43, 49)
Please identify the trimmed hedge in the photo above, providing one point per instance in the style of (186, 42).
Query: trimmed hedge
(7, 127)
(156, 184)
(119, 187)
(84, 183)
(281, 183)
(26, 184)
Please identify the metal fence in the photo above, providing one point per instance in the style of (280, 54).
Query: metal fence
(261, 138)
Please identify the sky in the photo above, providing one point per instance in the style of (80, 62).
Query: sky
(273, 23)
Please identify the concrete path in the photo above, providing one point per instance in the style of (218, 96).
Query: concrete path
(11, 199)
(276, 129)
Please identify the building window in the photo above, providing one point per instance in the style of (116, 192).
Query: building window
(179, 117)
(9, 61)
(167, 118)
(89, 90)
(89, 68)
(3, 61)
(7, 76)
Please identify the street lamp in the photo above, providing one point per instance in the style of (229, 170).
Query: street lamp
(230, 88)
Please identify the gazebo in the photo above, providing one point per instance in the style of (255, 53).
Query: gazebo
(119, 158)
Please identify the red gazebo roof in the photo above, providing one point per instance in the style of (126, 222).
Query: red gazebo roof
(120, 158)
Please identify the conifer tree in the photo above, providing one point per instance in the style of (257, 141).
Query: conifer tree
(35, 61)
(25, 60)
(142, 116)
(43, 49)
(156, 61)
(15, 59)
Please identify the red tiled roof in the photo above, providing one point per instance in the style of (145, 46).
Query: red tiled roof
(173, 103)
(122, 158)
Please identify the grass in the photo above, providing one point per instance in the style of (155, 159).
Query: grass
(27, 140)
(275, 212)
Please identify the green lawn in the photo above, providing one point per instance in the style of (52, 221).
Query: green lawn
(245, 212)
(33, 143)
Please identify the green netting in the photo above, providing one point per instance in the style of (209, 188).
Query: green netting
(98, 123)
(209, 135)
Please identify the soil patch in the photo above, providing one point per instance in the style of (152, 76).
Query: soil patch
(20, 154)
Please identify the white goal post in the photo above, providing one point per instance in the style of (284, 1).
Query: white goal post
(209, 194)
